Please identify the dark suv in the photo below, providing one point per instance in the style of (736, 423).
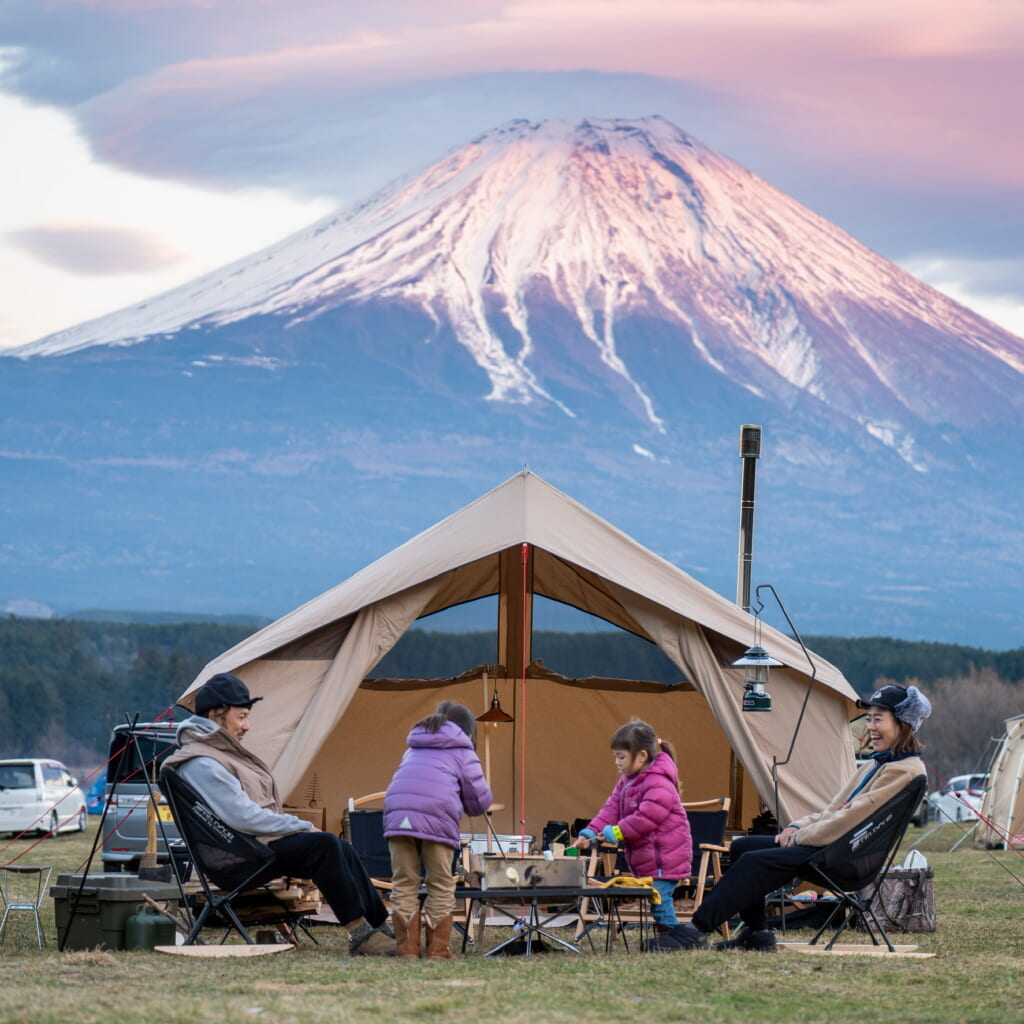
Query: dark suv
(136, 753)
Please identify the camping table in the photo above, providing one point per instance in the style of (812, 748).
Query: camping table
(538, 903)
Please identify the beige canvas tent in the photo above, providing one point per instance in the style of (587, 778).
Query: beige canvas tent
(331, 733)
(1001, 821)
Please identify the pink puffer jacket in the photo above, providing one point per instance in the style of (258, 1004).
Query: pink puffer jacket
(655, 830)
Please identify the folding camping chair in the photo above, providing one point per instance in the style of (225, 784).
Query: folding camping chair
(708, 819)
(855, 865)
(22, 889)
(363, 826)
(234, 870)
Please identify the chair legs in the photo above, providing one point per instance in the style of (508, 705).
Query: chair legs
(853, 906)
(23, 889)
(31, 907)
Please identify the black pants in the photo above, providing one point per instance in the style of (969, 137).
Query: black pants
(335, 868)
(757, 867)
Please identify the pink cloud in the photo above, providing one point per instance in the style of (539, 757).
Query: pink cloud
(911, 87)
(95, 249)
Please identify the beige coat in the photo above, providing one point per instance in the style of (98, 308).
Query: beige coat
(843, 814)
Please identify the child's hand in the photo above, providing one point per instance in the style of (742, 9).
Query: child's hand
(585, 838)
(612, 834)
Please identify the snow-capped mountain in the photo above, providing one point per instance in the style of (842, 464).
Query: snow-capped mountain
(611, 221)
(608, 300)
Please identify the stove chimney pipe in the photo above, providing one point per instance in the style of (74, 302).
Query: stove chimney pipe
(750, 451)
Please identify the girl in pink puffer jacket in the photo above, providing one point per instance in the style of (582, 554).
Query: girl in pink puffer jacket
(646, 815)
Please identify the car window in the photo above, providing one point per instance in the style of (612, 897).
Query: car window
(127, 756)
(53, 775)
(17, 776)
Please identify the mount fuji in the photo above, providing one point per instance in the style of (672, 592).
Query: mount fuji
(606, 301)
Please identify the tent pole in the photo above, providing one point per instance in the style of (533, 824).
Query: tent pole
(515, 617)
(515, 645)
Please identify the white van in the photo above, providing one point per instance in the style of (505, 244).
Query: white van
(40, 795)
(960, 799)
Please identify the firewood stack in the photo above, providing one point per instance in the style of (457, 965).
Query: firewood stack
(278, 899)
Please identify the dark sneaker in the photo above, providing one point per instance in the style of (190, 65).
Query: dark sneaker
(761, 941)
(663, 943)
(688, 936)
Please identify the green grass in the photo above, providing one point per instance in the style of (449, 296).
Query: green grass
(975, 975)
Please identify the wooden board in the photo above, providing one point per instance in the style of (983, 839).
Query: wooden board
(857, 949)
(219, 950)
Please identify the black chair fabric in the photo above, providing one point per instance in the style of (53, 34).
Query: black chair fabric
(705, 827)
(232, 861)
(365, 831)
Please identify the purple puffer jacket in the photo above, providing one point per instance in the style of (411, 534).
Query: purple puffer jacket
(655, 829)
(438, 778)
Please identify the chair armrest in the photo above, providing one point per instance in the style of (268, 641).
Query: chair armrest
(370, 798)
(718, 803)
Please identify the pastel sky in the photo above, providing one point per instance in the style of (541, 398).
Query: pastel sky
(146, 141)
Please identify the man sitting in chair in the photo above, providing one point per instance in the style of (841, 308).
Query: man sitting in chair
(760, 864)
(241, 791)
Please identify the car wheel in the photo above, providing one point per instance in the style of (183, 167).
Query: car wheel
(112, 866)
(50, 830)
(83, 820)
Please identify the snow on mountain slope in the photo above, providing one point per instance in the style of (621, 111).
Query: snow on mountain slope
(613, 220)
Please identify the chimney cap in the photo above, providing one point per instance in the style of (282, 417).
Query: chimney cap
(750, 441)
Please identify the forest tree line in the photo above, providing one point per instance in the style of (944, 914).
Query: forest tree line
(64, 683)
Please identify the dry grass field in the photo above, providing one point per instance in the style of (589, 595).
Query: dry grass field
(974, 976)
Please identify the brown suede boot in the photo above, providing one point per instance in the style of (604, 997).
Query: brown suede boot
(407, 935)
(438, 939)
(364, 940)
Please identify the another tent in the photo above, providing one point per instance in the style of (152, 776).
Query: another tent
(329, 733)
(1001, 821)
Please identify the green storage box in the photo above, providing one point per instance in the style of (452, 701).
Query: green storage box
(99, 913)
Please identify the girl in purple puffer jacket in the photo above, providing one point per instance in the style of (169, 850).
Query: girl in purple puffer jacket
(439, 778)
(646, 815)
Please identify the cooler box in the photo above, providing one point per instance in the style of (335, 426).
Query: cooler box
(99, 913)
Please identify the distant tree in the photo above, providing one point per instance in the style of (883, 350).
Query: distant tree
(968, 712)
(65, 683)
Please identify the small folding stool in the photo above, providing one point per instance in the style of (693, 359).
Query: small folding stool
(23, 889)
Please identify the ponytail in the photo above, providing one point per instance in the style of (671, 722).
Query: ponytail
(449, 711)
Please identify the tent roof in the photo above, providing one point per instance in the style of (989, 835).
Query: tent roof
(525, 509)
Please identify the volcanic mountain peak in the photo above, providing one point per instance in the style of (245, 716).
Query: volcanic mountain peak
(607, 220)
